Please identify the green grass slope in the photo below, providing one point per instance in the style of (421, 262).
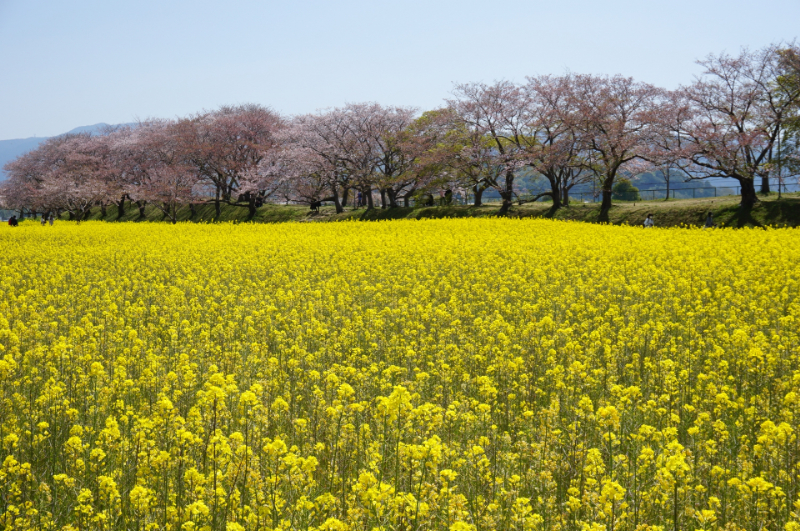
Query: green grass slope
(769, 211)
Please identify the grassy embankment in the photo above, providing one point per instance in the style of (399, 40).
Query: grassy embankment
(769, 211)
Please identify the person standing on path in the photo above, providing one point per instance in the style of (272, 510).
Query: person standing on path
(710, 221)
(648, 221)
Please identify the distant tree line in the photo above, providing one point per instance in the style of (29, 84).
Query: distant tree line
(738, 120)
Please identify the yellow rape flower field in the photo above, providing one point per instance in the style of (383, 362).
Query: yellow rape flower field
(430, 375)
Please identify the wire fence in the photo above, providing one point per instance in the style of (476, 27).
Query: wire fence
(461, 197)
(696, 192)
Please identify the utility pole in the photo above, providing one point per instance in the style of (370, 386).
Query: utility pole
(780, 172)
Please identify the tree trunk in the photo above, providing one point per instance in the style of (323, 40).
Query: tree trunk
(506, 203)
(478, 191)
(565, 198)
(407, 197)
(251, 205)
(667, 196)
(121, 207)
(557, 193)
(336, 202)
(605, 205)
(765, 185)
(607, 191)
(345, 196)
(217, 207)
(370, 202)
(508, 192)
(103, 210)
(192, 209)
(141, 205)
(392, 197)
(383, 198)
(748, 193)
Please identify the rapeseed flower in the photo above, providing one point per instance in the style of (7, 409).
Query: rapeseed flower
(446, 374)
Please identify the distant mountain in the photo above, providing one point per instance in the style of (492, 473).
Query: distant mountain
(11, 149)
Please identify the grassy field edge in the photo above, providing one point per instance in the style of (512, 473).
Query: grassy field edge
(769, 211)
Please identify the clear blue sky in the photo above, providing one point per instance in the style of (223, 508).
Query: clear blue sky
(69, 63)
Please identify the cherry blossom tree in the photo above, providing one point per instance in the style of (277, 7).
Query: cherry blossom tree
(740, 105)
(19, 193)
(616, 120)
(464, 156)
(81, 179)
(297, 174)
(785, 163)
(226, 146)
(65, 173)
(156, 170)
(740, 120)
(113, 144)
(334, 154)
(360, 147)
(310, 162)
(494, 116)
(26, 173)
(270, 178)
(786, 160)
(432, 145)
(668, 149)
(550, 142)
(380, 142)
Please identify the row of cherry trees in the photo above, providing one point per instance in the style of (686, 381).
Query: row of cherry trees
(738, 120)
(161, 162)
